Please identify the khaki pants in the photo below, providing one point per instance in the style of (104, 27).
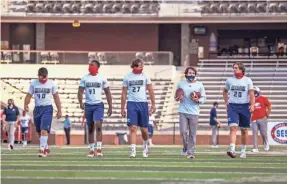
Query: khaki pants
(261, 125)
(188, 127)
(11, 128)
(214, 129)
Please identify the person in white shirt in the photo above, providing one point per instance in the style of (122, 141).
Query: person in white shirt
(239, 99)
(93, 84)
(150, 129)
(44, 91)
(25, 119)
(135, 85)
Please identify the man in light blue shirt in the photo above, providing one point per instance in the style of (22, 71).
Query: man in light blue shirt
(194, 94)
(67, 128)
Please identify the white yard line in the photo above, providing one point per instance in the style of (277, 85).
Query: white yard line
(141, 165)
(161, 153)
(112, 178)
(132, 171)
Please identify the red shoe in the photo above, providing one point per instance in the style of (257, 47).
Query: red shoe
(99, 153)
(47, 151)
(91, 153)
(42, 153)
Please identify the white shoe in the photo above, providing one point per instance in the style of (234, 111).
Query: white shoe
(24, 145)
(190, 156)
(214, 146)
(183, 153)
(243, 155)
(145, 154)
(132, 154)
(254, 150)
(266, 148)
(145, 150)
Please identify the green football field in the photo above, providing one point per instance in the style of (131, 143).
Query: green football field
(69, 165)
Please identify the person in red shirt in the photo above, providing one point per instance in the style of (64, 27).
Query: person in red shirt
(259, 119)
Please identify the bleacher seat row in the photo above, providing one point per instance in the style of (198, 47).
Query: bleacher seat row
(68, 89)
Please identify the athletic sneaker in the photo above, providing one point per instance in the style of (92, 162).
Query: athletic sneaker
(190, 156)
(42, 153)
(145, 152)
(99, 153)
(47, 151)
(243, 155)
(91, 153)
(232, 154)
(214, 146)
(132, 154)
(266, 148)
(183, 152)
(255, 150)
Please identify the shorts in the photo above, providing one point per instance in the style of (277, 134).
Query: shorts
(239, 114)
(24, 130)
(43, 117)
(138, 114)
(94, 112)
(150, 130)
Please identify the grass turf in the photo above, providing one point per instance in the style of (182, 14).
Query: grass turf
(164, 165)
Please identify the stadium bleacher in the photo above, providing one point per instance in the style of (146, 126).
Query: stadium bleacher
(68, 89)
(89, 7)
(267, 74)
(16, 84)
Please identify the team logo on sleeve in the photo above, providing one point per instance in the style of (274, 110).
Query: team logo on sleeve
(279, 133)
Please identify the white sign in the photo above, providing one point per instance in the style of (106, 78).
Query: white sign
(277, 133)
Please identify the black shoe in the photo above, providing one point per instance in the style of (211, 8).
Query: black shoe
(231, 154)
(11, 146)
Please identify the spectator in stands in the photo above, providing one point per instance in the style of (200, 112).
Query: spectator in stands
(193, 95)
(67, 128)
(239, 99)
(25, 119)
(93, 84)
(214, 124)
(11, 115)
(135, 84)
(259, 120)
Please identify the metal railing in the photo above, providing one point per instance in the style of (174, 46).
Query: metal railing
(83, 57)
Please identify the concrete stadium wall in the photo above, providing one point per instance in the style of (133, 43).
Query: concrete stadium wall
(102, 37)
(158, 139)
